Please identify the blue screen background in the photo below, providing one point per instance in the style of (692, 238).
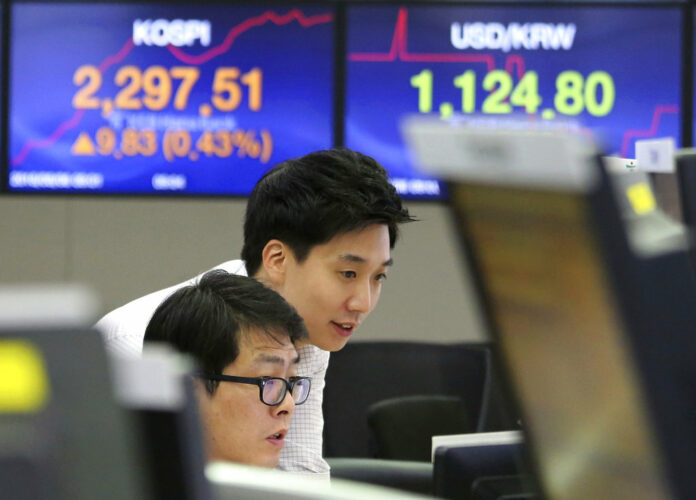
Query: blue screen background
(638, 46)
(293, 48)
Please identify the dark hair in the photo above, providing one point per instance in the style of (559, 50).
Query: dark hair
(307, 201)
(205, 319)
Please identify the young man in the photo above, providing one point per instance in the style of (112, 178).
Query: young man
(242, 336)
(318, 230)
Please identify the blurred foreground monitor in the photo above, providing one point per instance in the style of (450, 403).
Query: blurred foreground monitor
(62, 436)
(158, 393)
(646, 202)
(595, 323)
(685, 161)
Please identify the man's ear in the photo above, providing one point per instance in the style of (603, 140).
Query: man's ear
(275, 258)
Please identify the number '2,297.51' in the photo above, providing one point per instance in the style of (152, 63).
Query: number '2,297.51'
(157, 83)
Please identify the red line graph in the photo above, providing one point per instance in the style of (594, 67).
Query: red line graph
(399, 50)
(293, 15)
(651, 132)
(230, 38)
(118, 57)
(50, 140)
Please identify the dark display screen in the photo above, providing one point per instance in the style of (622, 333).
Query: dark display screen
(162, 98)
(614, 69)
(554, 313)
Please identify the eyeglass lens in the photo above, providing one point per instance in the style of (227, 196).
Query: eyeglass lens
(274, 391)
(300, 390)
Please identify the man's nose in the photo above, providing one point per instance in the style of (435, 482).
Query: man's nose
(361, 300)
(286, 406)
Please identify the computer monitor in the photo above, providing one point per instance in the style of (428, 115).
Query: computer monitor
(647, 214)
(685, 161)
(244, 482)
(158, 390)
(62, 435)
(457, 468)
(514, 487)
(594, 340)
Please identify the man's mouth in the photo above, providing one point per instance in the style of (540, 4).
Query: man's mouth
(277, 439)
(344, 329)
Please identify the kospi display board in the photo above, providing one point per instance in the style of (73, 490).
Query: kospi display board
(614, 69)
(139, 98)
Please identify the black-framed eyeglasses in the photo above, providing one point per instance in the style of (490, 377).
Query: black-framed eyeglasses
(272, 390)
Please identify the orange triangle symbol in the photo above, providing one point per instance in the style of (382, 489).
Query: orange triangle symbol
(83, 146)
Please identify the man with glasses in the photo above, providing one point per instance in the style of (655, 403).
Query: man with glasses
(242, 335)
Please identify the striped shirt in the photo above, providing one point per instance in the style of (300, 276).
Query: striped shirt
(303, 443)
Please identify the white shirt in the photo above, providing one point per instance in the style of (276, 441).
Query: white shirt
(123, 330)
(303, 443)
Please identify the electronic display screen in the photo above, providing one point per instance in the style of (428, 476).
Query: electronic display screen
(693, 117)
(161, 98)
(614, 69)
(564, 343)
